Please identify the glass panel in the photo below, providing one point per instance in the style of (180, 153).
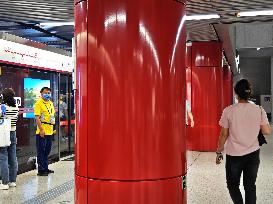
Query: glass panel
(67, 115)
(27, 84)
(43, 79)
(72, 116)
(64, 115)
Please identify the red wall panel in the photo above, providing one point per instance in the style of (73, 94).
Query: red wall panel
(207, 95)
(207, 54)
(206, 108)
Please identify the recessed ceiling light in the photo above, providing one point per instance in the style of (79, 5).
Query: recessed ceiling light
(57, 24)
(202, 17)
(255, 13)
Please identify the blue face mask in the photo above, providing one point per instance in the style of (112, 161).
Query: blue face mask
(46, 97)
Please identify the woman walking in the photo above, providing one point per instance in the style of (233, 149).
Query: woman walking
(241, 124)
(8, 159)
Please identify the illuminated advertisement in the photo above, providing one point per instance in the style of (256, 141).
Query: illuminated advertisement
(32, 88)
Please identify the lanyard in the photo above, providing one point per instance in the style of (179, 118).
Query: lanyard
(50, 112)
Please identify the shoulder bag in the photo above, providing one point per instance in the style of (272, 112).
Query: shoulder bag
(261, 137)
(5, 127)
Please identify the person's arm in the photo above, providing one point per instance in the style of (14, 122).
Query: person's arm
(37, 113)
(221, 142)
(266, 129)
(39, 124)
(191, 118)
(264, 126)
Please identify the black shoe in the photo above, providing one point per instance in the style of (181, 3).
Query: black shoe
(50, 171)
(42, 174)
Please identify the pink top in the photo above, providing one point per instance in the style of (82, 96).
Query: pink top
(243, 121)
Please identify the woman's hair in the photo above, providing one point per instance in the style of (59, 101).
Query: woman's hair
(243, 89)
(8, 97)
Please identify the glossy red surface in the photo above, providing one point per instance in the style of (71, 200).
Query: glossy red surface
(189, 84)
(130, 140)
(77, 1)
(136, 89)
(227, 86)
(81, 92)
(207, 83)
(207, 54)
(188, 56)
(81, 190)
(148, 192)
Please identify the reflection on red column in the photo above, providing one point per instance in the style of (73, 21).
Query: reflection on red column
(206, 95)
(81, 86)
(131, 101)
(188, 73)
(227, 86)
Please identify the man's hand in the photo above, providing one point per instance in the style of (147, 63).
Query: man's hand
(42, 133)
(219, 157)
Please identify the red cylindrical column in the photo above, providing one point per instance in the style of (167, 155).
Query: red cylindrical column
(206, 95)
(130, 135)
(81, 161)
(227, 86)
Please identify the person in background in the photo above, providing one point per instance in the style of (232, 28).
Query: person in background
(45, 118)
(241, 124)
(63, 117)
(63, 108)
(8, 159)
(189, 114)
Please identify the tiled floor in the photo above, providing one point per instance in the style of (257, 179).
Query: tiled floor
(30, 186)
(206, 182)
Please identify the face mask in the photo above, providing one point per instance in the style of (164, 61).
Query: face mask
(46, 97)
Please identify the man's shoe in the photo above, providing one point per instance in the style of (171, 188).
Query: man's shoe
(4, 187)
(12, 184)
(42, 174)
(50, 171)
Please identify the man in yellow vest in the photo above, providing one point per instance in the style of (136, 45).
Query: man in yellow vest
(45, 118)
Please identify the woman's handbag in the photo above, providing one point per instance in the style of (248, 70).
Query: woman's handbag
(261, 137)
(5, 126)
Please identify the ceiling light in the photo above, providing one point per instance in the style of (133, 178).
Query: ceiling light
(202, 17)
(57, 24)
(255, 13)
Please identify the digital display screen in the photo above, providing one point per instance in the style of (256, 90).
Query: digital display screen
(32, 88)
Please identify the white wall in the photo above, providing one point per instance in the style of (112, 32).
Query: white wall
(271, 83)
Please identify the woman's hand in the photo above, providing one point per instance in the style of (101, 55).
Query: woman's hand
(219, 157)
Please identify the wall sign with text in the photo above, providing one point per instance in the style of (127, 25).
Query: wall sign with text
(27, 55)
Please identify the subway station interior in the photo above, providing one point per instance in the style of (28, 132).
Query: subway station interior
(125, 76)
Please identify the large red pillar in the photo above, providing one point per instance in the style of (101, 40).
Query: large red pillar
(130, 131)
(227, 86)
(206, 92)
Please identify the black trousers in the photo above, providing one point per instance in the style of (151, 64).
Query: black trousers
(43, 146)
(249, 165)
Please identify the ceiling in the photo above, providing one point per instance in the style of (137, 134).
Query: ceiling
(21, 18)
(204, 30)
